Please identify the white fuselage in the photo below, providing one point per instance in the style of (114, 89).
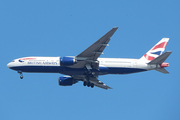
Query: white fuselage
(53, 65)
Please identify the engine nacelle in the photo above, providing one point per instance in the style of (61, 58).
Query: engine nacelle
(66, 81)
(67, 61)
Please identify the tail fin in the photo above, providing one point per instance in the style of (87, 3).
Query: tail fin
(155, 51)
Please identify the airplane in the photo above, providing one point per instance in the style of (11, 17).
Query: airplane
(87, 66)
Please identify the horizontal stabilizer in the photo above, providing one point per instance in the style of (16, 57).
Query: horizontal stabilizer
(162, 70)
(160, 59)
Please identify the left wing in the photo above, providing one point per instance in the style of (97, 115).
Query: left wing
(96, 49)
(91, 54)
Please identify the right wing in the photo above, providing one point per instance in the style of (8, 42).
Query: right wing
(98, 83)
(93, 80)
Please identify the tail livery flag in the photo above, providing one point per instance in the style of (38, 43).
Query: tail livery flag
(155, 51)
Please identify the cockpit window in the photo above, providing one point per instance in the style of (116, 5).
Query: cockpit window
(13, 61)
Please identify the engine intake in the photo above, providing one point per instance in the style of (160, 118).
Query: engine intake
(66, 81)
(67, 61)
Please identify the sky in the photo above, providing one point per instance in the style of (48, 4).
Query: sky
(66, 28)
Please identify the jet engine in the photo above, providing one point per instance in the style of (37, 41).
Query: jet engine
(66, 81)
(67, 61)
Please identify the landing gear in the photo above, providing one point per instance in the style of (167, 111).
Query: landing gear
(92, 85)
(21, 77)
(85, 83)
(20, 72)
(88, 84)
(89, 73)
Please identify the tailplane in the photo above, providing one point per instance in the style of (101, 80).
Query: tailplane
(155, 51)
(160, 59)
(159, 62)
(162, 70)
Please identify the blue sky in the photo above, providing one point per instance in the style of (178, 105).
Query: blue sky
(67, 27)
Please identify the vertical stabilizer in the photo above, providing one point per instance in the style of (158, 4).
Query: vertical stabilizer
(155, 51)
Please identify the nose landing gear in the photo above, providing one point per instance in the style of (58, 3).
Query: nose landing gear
(21, 77)
(20, 72)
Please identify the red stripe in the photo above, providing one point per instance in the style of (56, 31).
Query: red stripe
(162, 45)
(28, 59)
(150, 58)
(165, 45)
(145, 55)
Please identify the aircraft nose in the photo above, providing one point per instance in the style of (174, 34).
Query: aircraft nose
(9, 65)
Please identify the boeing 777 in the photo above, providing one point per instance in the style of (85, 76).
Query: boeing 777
(87, 66)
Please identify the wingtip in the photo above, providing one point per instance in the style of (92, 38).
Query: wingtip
(115, 27)
(169, 51)
(109, 88)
